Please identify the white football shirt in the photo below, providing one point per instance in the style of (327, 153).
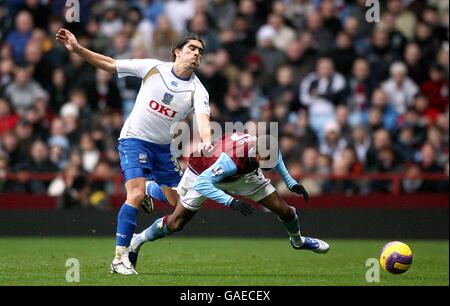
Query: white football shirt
(163, 99)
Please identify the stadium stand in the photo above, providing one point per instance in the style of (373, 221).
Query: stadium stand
(353, 99)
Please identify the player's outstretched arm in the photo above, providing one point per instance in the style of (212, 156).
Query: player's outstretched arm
(292, 184)
(204, 184)
(204, 126)
(69, 41)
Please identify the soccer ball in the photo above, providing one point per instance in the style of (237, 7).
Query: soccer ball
(396, 257)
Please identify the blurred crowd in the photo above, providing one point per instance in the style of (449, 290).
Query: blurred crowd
(350, 96)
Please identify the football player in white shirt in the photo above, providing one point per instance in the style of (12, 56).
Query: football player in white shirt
(168, 93)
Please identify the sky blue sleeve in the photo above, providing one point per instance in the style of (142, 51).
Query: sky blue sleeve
(204, 184)
(280, 168)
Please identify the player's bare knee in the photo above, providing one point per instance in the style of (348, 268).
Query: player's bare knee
(287, 213)
(135, 196)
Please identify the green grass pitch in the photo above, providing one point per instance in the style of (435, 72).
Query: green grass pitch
(215, 261)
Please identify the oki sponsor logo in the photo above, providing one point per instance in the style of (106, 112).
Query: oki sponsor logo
(166, 111)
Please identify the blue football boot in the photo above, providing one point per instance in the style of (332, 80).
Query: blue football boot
(313, 244)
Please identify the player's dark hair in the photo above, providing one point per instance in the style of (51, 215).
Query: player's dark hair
(184, 40)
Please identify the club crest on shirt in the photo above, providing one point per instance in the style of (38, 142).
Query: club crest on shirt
(167, 98)
(142, 158)
(217, 171)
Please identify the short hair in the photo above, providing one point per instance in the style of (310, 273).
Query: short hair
(183, 40)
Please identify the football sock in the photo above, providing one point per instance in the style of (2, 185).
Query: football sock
(293, 228)
(154, 190)
(121, 252)
(126, 224)
(156, 231)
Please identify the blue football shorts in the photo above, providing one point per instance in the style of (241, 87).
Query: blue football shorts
(140, 158)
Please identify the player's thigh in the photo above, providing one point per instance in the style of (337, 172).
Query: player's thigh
(166, 171)
(254, 186)
(189, 198)
(135, 154)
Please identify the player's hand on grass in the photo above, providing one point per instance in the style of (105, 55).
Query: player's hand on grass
(299, 189)
(242, 206)
(67, 39)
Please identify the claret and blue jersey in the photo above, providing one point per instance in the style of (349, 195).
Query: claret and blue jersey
(230, 160)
